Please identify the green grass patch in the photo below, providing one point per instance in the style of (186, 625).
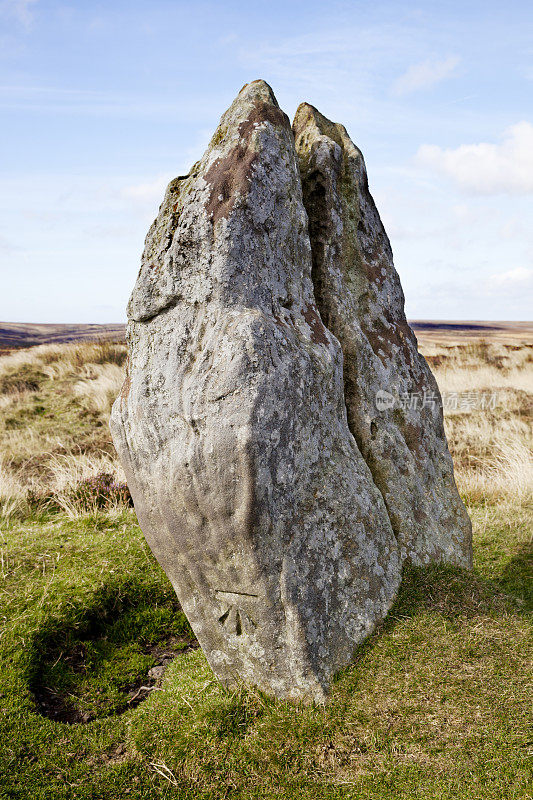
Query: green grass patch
(433, 706)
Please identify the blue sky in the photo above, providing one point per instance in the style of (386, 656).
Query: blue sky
(102, 103)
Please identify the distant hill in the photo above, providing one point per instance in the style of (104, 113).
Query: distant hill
(27, 334)
(457, 331)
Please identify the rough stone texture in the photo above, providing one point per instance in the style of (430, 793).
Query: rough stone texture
(361, 302)
(232, 426)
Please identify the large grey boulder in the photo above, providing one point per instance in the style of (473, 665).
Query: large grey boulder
(232, 426)
(393, 403)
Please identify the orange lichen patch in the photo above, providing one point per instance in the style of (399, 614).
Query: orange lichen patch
(380, 341)
(420, 384)
(318, 332)
(229, 176)
(280, 322)
(372, 259)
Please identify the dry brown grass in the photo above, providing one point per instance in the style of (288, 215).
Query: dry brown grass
(55, 402)
(491, 433)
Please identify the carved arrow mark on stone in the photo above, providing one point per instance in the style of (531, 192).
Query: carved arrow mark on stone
(234, 619)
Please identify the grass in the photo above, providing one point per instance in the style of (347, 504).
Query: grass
(435, 704)
(54, 408)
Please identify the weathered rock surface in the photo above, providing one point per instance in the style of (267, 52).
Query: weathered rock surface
(232, 425)
(361, 302)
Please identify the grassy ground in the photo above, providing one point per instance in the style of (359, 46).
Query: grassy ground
(104, 695)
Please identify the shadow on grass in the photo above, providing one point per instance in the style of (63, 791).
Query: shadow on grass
(99, 660)
(517, 576)
(449, 591)
(105, 659)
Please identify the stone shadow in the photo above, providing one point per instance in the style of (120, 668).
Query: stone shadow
(108, 657)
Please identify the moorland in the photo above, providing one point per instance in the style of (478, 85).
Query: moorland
(104, 693)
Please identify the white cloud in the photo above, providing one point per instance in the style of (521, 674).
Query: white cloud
(424, 75)
(512, 278)
(487, 168)
(6, 246)
(516, 228)
(19, 9)
(338, 65)
(53, 100)
(149, 192)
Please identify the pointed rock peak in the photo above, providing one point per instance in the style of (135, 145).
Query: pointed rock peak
(309, 123)
(253, 130)
(255, 104)
(233, 150)
(259, 89)
(305, 113)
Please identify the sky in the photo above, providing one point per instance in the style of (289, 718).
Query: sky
(102, 103)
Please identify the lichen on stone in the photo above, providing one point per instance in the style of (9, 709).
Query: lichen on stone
(265, 314)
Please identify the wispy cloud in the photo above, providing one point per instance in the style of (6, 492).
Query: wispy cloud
(60, 100)
(308, 59)
(148, 192)
(505, 168)
(340, 60)
(6, 246)
(519, 278)
(424, 75)
(20, 10)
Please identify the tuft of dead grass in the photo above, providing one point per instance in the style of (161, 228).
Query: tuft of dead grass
(99, 386)
(491, 443)
(55, 402)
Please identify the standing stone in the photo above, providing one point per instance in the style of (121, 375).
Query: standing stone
(360, 300)
(232, 426)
